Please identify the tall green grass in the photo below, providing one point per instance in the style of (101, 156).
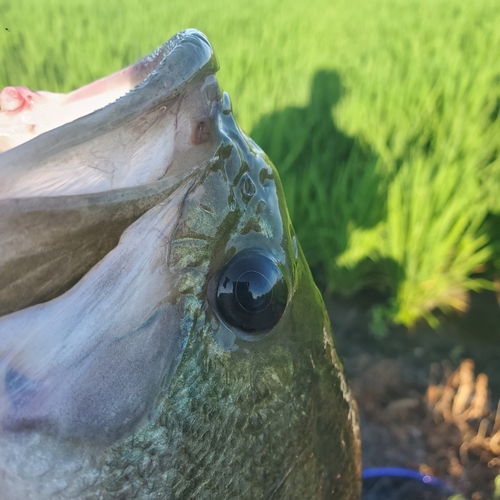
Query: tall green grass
(381, 115)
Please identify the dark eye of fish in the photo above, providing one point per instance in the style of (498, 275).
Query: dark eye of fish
(251, 293)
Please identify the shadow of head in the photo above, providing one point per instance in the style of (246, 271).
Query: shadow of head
(297, 137)
(330, 178)
(326, 91)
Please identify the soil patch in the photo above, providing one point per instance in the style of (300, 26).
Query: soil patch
(427, 399)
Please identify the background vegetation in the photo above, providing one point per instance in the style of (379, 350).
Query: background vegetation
(381, 115)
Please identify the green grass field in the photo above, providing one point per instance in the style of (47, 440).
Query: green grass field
(381, 116)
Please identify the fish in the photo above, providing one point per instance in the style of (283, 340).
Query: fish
(161, 335)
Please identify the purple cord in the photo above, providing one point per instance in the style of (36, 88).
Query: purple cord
(374, 472)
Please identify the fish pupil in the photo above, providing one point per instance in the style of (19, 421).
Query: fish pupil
(252, 293)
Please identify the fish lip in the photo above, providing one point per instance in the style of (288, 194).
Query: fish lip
(186, 57)
(200, 55)
(138, 73)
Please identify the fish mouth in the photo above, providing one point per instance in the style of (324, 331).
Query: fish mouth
(109, 178)
(121, 131)
(25, 114)
(67, 195)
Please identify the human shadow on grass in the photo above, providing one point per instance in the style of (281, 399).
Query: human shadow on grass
(330, 181)
(482, 320)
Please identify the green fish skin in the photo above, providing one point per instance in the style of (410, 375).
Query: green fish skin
(128, 369)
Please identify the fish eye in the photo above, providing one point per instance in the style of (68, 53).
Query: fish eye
(251, 293)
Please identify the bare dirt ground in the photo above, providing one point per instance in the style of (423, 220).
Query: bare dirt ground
(427, 400)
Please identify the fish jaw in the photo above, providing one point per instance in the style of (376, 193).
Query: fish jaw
(104, 170)
(66, 363)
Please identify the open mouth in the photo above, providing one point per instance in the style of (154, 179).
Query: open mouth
(125, 130)
(25, 114)
(68, 194)
(104, 169)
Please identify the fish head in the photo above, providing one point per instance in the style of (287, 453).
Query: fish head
(161, 334)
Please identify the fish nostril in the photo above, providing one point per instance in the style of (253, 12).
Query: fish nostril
(248, 188)
(261, 207)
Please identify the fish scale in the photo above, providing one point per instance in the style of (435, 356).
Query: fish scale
(189, 404)
(193, 413)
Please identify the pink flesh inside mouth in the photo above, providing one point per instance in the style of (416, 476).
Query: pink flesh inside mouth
(25, 114)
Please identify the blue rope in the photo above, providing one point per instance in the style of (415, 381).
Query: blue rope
(374, 472)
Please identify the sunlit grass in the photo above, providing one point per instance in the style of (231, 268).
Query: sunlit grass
(382, 117)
